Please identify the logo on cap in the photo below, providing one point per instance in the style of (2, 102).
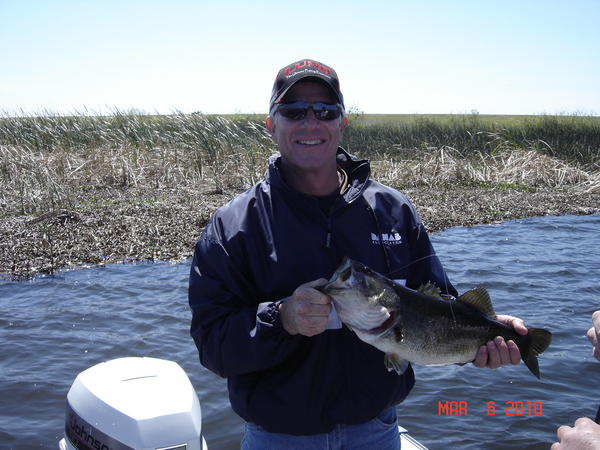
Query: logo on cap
(307, 64)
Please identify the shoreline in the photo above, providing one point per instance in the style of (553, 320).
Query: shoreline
(112, 224)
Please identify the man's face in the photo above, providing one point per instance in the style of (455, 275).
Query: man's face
(307, 144)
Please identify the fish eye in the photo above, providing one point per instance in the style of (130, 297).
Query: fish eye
(345, 274)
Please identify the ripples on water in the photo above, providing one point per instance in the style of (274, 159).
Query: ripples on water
(545, 270)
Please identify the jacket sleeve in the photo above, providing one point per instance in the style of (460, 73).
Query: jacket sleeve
(234, 332)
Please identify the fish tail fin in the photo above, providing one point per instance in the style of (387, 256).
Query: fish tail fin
(539, 340)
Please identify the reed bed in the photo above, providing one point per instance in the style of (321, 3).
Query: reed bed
(573, 138)
(90, 189)
(46, 160)
(516, 168)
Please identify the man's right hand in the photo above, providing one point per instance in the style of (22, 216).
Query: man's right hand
(307, 310)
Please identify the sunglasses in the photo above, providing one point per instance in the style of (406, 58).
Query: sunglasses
(298, 110)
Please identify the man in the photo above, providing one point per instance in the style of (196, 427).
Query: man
(258, 316)
(585, 435)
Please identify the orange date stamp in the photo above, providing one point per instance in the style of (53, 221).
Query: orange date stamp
(492, 408)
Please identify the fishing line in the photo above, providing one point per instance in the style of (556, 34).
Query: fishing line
(422, 259)
(412, 262)
(445, 279)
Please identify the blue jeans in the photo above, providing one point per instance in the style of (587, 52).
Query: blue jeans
(380, 433)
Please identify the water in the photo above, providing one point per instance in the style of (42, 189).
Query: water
(545, 270)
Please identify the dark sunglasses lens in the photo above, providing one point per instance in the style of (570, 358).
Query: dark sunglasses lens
(292, 112)
(298, 110)
(327, 112)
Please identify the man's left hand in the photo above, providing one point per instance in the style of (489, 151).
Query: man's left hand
(499, 352)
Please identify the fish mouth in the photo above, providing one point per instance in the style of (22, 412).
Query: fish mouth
(385, 326)
(343, 272)
(338, 281)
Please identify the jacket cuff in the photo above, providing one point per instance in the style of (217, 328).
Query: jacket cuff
(268, 319)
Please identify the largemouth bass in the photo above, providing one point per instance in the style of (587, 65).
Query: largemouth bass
(421, 326)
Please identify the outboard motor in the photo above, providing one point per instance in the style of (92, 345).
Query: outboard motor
(133, 403)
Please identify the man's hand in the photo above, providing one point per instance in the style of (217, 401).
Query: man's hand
(307, 310)
(585, 435)
(498, 352)
(593, 334)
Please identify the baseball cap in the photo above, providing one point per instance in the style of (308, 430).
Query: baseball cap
(299, 70)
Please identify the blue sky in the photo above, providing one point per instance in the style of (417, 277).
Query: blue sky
(496, 57)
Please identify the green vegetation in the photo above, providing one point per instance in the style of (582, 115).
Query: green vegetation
(572, 138)
(88, 190)
(50, 162)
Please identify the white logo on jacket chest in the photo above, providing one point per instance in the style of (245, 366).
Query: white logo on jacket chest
(392, 238)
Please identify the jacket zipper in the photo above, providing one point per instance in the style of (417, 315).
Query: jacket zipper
(328, 228)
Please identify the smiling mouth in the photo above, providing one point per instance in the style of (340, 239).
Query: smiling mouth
(310, 141)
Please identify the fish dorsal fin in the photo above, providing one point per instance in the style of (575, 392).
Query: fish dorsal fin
(430, 289)
(480, 299)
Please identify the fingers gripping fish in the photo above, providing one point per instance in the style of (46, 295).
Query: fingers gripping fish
(421, 326)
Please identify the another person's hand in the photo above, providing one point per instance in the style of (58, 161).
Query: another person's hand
(593, 334)
(499, 352)
(585, 435)
(307, 310)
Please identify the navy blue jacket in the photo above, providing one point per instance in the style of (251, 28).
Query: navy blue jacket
(256, 250)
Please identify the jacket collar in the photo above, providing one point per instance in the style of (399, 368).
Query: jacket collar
(358, 171)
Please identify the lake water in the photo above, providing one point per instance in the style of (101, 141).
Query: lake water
(545, 270)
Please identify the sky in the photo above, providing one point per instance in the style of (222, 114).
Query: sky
(221, 57)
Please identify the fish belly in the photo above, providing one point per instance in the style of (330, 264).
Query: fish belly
(428, 349)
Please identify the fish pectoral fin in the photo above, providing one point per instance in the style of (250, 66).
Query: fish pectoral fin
(480, 299)
(394, 362)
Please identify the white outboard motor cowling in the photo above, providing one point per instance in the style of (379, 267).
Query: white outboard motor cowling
(133, 403)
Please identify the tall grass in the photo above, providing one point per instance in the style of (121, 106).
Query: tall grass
(46, 161)
(573, 138)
